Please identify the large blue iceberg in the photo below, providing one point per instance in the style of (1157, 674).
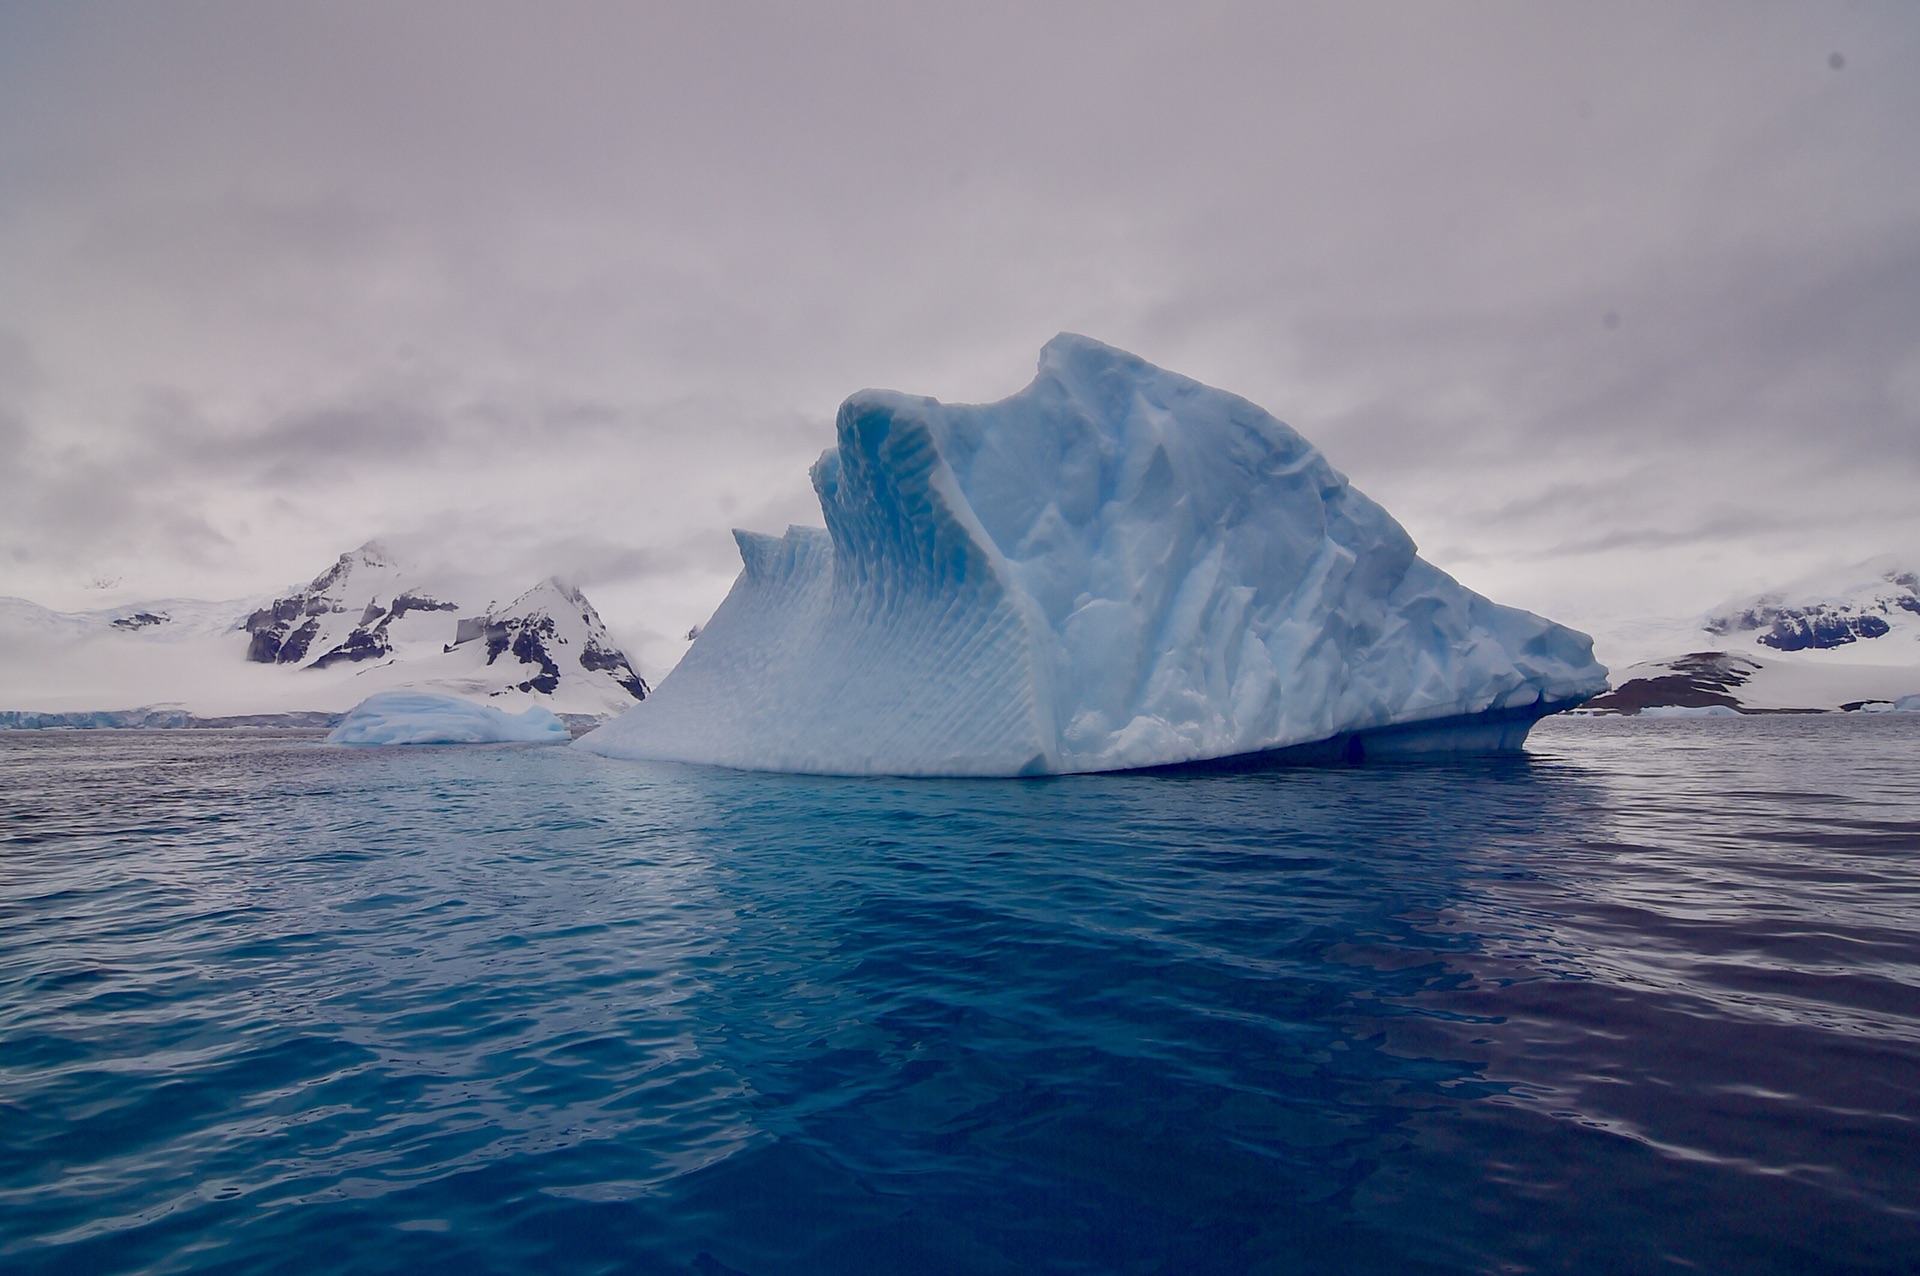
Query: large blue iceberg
(1115, 568)
(422, 717)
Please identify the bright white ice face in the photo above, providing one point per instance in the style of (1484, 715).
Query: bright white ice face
(1117, 567)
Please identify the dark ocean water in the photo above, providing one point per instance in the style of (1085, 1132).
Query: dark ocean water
(1646, 1000)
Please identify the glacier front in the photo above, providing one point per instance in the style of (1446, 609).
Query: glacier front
(1117, 567)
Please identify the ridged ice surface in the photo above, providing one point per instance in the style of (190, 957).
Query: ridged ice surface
(1116, 567)
(421, 717)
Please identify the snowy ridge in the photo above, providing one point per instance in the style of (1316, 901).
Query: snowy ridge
(367, 624)
(1839, 641)
(1870, 613)
(341, 617)
(1116, 567)
(371, 611)
(554, 631)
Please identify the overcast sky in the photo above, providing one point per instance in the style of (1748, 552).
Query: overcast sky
(1616, 308)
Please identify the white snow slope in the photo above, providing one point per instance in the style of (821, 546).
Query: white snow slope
(1116, 567)
(1846, 639)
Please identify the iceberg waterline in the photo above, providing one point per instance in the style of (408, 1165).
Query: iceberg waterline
(420, 717)
(1117, 567)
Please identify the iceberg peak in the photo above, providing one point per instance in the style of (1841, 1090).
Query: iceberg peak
(1115, 567)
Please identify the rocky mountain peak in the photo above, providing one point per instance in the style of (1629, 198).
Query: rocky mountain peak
(370, 608)
(1884, 597)
(547, 630)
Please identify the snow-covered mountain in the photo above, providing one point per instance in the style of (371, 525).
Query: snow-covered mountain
(369, 623)
(1873, 601)
(1842, 641)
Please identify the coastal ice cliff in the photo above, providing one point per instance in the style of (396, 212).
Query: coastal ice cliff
(1116, 567)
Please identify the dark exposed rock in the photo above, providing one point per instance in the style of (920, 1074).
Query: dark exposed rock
(294, 649)
(1820, 629)
(140, 620)
(332, 576)
(1817, 627)
(528, 639)
(536, 631)
(534, 638)
(1802, 624)
(369, 641)
(530, 650)
(603, 659)
(419, 602)
(270, 627)
(361, 644)
(1700, 680)
(599, 656)
(275, 640)
(281, 611)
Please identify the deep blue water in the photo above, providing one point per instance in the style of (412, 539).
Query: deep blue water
(1646, 1000)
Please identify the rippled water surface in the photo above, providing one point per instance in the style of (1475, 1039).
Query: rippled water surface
(1646, 1000)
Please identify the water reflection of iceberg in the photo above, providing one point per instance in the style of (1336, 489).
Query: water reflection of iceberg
(1281, 1018)
(1157, 998)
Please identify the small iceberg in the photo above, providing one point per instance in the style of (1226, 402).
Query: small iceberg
(421, 717)
(1115, 568)
(1689, 711)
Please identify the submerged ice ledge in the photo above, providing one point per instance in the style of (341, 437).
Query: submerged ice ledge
(1115, 568)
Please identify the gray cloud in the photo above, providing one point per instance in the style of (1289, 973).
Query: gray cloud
(338, 436)
(1621, 294)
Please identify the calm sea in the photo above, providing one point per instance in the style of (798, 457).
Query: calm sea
(1646, 1000)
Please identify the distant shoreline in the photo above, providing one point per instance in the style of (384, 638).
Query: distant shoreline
(151, 719)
